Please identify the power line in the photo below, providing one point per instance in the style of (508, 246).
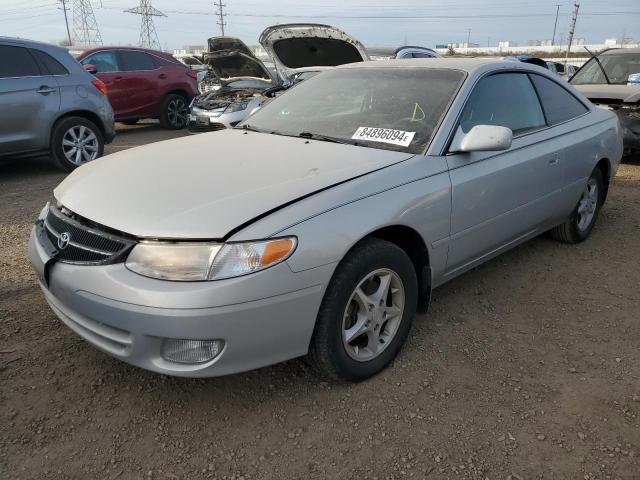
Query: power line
(219, 6)
(148, 34)
(85, 27)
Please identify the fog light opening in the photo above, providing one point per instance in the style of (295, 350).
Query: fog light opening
(185, 351)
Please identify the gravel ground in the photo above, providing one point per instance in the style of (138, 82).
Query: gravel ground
(527, 367)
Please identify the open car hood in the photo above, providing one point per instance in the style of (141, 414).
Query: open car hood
(230, 58)
(302, 45)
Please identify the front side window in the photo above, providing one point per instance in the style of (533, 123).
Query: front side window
(504, 99)
(617, 66)
(559, 105)
(388, 108)
(103, 61)
(131, 61)
(17, 62)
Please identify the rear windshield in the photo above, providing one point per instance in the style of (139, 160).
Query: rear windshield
(388, 108)
(618, 67)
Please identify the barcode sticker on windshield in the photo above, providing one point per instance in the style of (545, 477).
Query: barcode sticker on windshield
(385, 135)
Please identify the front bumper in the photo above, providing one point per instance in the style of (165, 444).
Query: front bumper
(129, 316)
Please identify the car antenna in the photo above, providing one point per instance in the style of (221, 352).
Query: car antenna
(595, 57)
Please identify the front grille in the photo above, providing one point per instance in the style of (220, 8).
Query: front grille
(84, 244)
(196, 127)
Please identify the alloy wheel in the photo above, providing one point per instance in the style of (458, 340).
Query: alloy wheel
(373, 315)
(80, 144)
(588, 205)
(177, 112)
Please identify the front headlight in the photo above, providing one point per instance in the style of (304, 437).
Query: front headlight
(207, 261)
(236, 107)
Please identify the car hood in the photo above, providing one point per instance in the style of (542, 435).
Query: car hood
(234, 64)
(302, 45)
(604, 92)
(206, 186)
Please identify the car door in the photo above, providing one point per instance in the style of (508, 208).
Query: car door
(28, 100)
(108, 71)
(500, 198)
(141, 79)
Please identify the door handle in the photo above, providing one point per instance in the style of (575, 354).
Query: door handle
(117, 78)
(162, 75)
(45, 90)
(555, 160)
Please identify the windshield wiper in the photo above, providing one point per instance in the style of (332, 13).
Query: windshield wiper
(326, 138)
(251, 128)
(606, 77)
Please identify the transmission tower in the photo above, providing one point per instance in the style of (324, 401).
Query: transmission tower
(85, 27)
(220, 13)
(148, 35)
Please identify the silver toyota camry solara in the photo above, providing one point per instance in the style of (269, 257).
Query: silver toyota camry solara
(320, 226)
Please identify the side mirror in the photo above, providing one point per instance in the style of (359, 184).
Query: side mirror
(482, 138)
(90, 68)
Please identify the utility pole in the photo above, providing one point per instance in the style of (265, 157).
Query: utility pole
(66, 19)
(555, 25)
(220, 13)
(148, 34)
(468, 36)
(574, 19)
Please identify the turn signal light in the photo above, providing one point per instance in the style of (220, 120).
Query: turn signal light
(192, 73)
(99, 84)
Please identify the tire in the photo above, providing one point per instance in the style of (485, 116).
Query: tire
(129, 122)
(174, 113)
(580, 223)
(342, 311)
(75, 141)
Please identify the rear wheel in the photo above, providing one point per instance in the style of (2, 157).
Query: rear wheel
(76, 141)
(366, 312)
(175, 111)
(578, 226)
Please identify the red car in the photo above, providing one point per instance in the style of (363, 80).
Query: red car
(144, 83)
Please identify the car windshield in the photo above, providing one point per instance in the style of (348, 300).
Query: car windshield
(617, 66)
(389, 108)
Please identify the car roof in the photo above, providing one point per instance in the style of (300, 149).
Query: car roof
(465, 64)
(616, 51)
(31, 43)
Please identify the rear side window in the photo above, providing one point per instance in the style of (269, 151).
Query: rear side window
(17, 62)
(505, 99)
(559, 105)
(131, 61)
(103, 61)
(49, 64)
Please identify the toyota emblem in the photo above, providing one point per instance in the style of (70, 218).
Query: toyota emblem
(63, 240)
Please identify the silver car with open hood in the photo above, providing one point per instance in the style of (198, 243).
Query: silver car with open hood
(326, 219)
(232, 88)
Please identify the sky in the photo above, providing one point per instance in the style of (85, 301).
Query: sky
(373, 22)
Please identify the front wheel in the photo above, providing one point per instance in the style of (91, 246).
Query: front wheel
(174, 112)
(578, 226)
(75, 141)
(366, 312)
